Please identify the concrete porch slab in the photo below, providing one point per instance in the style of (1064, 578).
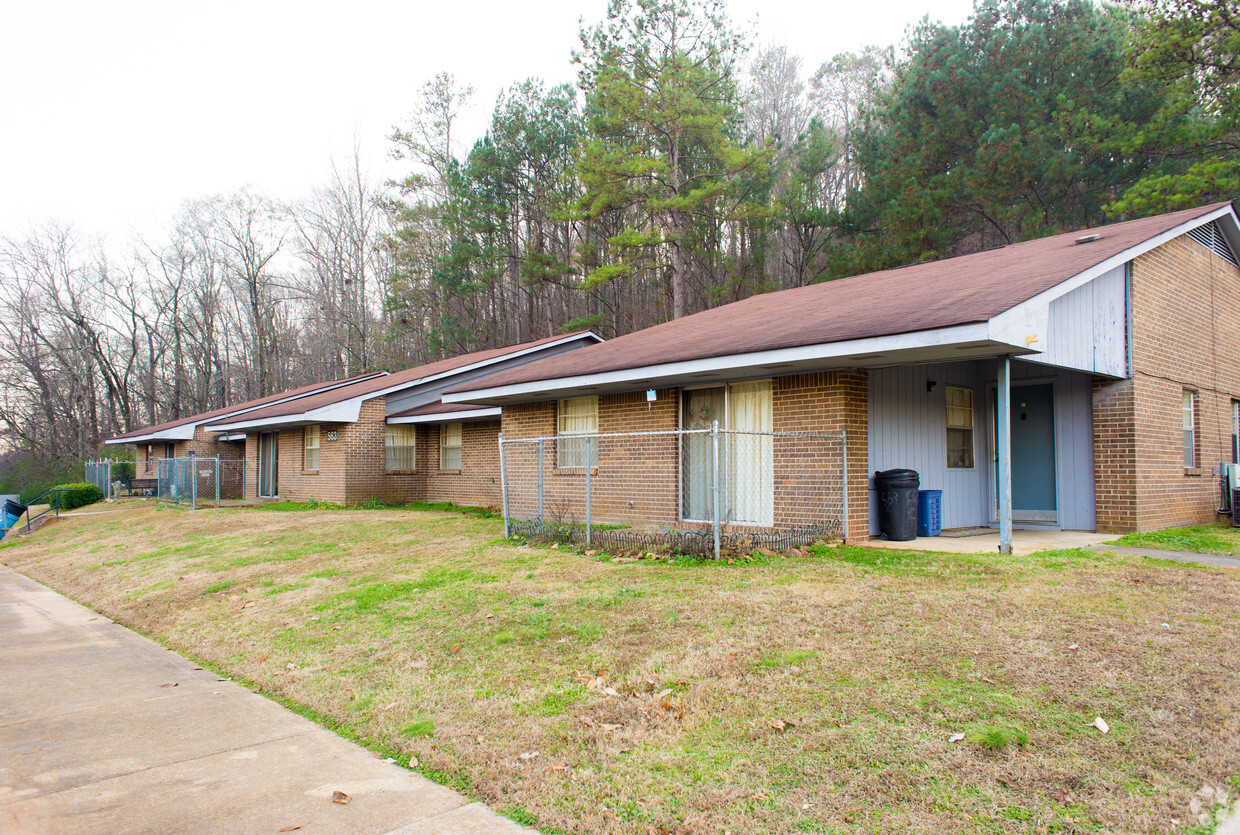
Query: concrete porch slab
(1023, 542)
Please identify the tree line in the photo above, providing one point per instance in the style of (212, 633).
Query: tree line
(685, 169)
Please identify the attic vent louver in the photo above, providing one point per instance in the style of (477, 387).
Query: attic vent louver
(1211, 238)
(1088, 239)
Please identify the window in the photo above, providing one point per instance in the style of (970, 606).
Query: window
(170, 450)
(1188, 411)
(401, 445)
(450, 446)
(578, 416)
(959, 427)
(150, 456)
(311, 461)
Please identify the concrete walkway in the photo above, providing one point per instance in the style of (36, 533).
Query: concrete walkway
(1178, 556)
(103, 731)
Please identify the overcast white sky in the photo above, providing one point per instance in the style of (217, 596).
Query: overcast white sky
(114, 113)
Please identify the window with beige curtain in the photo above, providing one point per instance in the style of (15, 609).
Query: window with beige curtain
(401, 446)
(577, 416)
(312, 448)
(959, 427)
(450, 446)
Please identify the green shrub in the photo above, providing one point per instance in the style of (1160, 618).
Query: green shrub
(78, 495)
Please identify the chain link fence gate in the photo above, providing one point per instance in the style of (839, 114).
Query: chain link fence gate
(701, 491)
(198, 481)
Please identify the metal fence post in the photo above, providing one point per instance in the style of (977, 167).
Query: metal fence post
(588, 460)
(540, 482)
(217, 481)
(503, 483)
(844, 465)
(714, 442)
(159, 480)
(193, 483)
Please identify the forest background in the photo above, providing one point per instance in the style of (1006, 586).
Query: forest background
(685, 169)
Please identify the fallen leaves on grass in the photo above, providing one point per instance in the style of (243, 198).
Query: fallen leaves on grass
(340, 797)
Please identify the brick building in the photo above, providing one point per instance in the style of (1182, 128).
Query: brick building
(388, 437)
(190, 436)
(1107, 349)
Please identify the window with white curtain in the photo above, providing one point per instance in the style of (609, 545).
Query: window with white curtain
(312, 448)
(577, 416)
(450, 446)
(400, 444)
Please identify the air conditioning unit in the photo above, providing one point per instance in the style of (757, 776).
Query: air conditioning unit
(1233, 477)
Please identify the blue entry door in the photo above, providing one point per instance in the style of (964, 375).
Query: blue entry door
(1033, 454)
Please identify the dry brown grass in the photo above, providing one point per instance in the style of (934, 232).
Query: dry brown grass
(781, 695)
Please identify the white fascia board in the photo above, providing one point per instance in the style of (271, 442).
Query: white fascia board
(184, 432)
(1068, 285)
(977, 332)
(449, 417)
(177, 433)
(345, 411)
(1025, 325)
(504, 357)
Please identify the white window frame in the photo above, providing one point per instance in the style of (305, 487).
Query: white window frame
(971, 428)
(450, 435)
(311, 443)
(400, 457)
(570, 451)
(1188, 424)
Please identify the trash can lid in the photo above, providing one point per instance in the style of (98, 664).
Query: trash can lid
(899, 474)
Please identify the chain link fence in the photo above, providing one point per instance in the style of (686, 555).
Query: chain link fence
(196, 481)
(701, 491)
(107, 472)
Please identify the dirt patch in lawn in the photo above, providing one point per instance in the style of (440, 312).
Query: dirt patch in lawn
(772, 695)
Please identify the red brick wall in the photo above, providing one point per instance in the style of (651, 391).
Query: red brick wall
(1115, 456)
(1186, 301)
(637, 479)
(477, 482)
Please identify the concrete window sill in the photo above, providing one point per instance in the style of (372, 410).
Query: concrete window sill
(399, 472)
(449, 472)
(1193, 471)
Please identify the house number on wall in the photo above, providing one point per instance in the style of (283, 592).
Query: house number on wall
(331, 434)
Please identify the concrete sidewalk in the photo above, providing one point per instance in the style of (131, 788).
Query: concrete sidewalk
(102, 730)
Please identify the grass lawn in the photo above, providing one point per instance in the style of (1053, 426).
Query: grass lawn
(1205, 539)
(815, 694)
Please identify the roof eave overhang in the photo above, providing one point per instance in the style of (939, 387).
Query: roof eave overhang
(463, 416)
(184, 432)
(960, 342)
(347, 411)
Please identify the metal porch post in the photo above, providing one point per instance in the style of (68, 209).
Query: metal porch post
(503, 483)
(540, 482)
(1003, 449)
(844, 465)
(217, 481)
(714, 487)
(588, 507)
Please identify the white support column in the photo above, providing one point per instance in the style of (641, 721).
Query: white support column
(1003, 449)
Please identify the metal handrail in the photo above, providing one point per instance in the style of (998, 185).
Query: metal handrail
(55, 506)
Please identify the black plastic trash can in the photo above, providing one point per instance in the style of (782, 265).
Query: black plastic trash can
(897, 503)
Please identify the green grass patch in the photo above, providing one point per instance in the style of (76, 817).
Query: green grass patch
(996, 737)
(790, 658)
(216, 588)
(417, 728)
(1204, 539)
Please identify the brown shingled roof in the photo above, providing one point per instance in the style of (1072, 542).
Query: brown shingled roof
(936, 294)
(408, 376)
(239, 407)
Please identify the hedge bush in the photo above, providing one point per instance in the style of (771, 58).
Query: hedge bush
(77, 495)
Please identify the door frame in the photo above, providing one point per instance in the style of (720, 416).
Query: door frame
(992, 462)
(275, 469)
